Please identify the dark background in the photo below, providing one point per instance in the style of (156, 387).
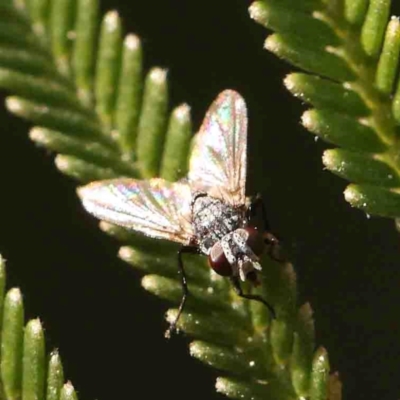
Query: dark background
(108, 329)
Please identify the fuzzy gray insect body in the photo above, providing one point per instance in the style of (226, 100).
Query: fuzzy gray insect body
(213, 220)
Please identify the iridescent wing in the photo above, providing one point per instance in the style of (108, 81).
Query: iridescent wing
(219, 155)
(155, 207)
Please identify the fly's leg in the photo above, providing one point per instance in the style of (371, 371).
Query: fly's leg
(181, 271)
(272, 242)
(238, 289)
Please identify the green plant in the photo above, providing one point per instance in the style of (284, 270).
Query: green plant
(24, 373)
(351, 53)
(91, 104)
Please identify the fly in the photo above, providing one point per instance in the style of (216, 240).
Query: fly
(207, 212)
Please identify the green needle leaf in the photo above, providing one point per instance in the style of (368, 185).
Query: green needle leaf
(33, 362)
(307, 57)
(39, 10)
(83, 51)
(55, 377)
(56, 118)
(304, 5)
(228, 359)
(89, 151)
(226, 330)
(374, 200)
(179, 134)
(389, 59)
(236, 389)
(355, 10)
(323, 93)
(373, 29)
(319, 375)
(335, 128)
(61, 19)
(360, 168)
(352, 83)
(281, 341)
(151, 131)
(11, 344)
(83, 171)
(19, 36)
(277, 18)
(68, 392)
(28, 62)
(23, 360)
(40, 89)
(107, 68)
(165, 264)
(302, 354)
(129, 94)
(170, 289)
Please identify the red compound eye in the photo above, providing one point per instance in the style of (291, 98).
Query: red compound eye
(218, 261)
(255, 240)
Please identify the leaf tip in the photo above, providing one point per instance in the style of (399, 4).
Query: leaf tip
(125, 253)
(272, 44)
(37, 135)
(105, 226)
(112, 21)
(62, 163)
(34, 326)
(14, 295)
(321, 355)
(13, 104)
(331, 161)
(54, 357)
(289, 82)
(221, 385)
(171, 315)
(182, 112)
(195, 349)
(308, 120)
(233, 389)
(68, 392)
(132, 42)
(158, 75)
(258, 12)
(394, 24)
(151, 284)
(352, 195)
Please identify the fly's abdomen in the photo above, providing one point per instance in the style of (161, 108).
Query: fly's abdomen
(213, 219)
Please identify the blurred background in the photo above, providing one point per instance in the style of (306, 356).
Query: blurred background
(108, 329)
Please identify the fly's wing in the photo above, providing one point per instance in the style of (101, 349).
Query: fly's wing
(219, 155)
(155, 207)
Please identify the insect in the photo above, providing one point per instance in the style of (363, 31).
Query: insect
(207, 212)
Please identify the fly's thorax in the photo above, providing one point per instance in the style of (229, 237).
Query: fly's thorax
(213, 219)
(237, 254)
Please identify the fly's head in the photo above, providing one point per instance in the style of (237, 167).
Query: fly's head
(237, 254)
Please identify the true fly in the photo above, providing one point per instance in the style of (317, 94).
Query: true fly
(207, 212)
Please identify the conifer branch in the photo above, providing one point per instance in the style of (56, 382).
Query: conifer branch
(81, 82)
(350, 51)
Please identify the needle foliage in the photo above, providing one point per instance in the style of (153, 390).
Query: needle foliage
(349, 50)
(26, 371)
(81, 82)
